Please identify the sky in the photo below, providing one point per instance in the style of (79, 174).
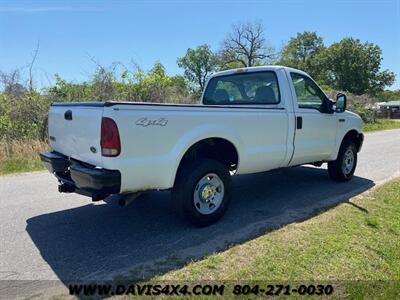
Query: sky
(71, 34)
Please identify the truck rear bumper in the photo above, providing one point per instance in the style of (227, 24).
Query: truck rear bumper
(77, 177)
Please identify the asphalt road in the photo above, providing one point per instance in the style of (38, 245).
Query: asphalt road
(45, 235)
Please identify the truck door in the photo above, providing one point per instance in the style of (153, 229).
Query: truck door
(315, 127)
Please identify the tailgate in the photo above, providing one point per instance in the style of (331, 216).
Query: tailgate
(74, 130)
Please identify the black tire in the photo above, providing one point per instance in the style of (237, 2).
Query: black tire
(337, 169)
(187, 181)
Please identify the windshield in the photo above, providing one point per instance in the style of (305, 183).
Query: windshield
(246, 88)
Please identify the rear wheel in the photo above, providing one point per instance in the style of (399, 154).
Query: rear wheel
(202, 191)
(342, 169)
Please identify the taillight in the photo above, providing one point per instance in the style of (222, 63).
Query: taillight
(110, 143)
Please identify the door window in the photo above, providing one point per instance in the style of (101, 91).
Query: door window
(308, 94)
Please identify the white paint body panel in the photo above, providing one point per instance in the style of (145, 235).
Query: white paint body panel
(150, 155)
(75, 137)
(264, 136)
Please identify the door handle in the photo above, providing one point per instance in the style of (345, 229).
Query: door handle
(299, 122)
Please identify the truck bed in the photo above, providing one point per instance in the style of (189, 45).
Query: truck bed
(154, 134)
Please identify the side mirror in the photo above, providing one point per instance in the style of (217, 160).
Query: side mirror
(341, 102)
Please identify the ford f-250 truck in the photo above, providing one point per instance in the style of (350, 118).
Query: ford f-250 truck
(249, 120)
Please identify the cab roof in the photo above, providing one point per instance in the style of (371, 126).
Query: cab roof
(254, 69)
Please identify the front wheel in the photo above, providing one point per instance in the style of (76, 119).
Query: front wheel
(202, 191)
(342, 169)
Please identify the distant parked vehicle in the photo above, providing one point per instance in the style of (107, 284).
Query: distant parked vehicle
(249, 120)
(390, 109)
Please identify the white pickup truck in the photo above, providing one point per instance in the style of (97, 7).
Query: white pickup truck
(249, 120)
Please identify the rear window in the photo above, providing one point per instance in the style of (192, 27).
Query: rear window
(246, 88)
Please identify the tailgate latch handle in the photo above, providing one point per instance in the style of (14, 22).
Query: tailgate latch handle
(68, 115)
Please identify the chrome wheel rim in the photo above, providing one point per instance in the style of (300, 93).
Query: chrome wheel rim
(208, 194)
(348, 161)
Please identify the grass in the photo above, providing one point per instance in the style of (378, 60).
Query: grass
(20, 156)
(18, 165)
(381, 124)
(356, 246)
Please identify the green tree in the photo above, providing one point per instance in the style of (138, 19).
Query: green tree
(355, 67)
(389, 95)
(156, 84)
(69, 91)
(198, 64)
(302, 52)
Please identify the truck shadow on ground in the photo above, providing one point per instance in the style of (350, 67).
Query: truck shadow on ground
(98, 242)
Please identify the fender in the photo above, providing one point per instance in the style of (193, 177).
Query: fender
(352, 122)
(198, 134)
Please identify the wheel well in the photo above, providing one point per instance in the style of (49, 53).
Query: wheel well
(353, 135)
(212, 148)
